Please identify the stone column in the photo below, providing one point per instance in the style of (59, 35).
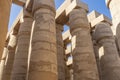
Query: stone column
(43, 62)
(10, 57)
(21, 56)
(5, 6)
(60, 52)
(84, 63)
(109, 61)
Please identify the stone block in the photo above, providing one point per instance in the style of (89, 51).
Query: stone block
(76, 4)
(69, 62)
(60, 13)
(66, 35)
(93, 15)
(99, 19)
(68, 50)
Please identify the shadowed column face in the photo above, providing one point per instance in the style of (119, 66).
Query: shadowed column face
(5, 6)
(109, 61)
(43, 62)
(21, 56)
(84, 63)
(2, 62)
(10, 57)
(60, 52)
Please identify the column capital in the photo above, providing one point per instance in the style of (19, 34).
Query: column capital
(102, 32)
(78, 21)
(43, 4)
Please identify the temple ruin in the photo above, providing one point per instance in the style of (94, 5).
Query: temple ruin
(36, 48)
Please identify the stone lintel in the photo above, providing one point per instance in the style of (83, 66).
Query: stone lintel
(99, 19)
(68, 50)
(93, 15)
(19, 2)
(74, 5)
(69, 62)
(64, 10)
(60, 13)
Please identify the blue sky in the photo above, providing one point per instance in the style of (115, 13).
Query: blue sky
(98, 5)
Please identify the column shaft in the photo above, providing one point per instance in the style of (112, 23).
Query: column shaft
(84, 63)
(60, 52)
(21, 56)
(109, 61)
(43, 62)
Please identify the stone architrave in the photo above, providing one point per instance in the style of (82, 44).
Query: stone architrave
(109, 60)
(84, 63)
(3, 60)
(43, 61)
(21, 56)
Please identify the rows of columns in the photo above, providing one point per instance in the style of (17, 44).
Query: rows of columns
(47, 53)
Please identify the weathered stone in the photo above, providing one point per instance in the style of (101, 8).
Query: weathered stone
(84, 63)
(43, 61)
(60, 52)
(109, 60)
(93, 15)
(10, 57)
(21, 56)
(2, 63)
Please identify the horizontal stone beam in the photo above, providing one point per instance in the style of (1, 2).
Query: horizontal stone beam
(69, 62)
(66, 38)
(93, 15)
(19, 2)
(64, 10)
(99, 19)
(68, 50)
(60, 13)
(76, 4)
